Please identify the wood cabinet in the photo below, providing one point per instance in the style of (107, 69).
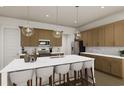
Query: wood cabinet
(109, 35)
(119, 33)
(101, 36)
(25, 41)
(116, 67)
(94, 37)
(40, 34)
(89, 38)
(34, 39)
(110, 65)
(84, 38)
(106, 65)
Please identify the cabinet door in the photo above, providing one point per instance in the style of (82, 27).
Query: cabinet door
(116, 67)
(119, 33)
(109, 35)
(42, 34)
(101, 36)
(95, 37)
(25, 41)
(106, 64)
(98, 63)
(89, 36)
(84, 38)
(34, 38)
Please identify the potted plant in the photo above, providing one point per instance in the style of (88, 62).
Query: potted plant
(122, 53)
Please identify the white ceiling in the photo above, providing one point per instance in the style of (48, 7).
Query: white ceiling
(66, 14)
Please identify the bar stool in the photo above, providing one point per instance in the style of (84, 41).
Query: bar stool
(76, 68)
(62, 70)
(21, 78)
(44, 75)
(89, 74)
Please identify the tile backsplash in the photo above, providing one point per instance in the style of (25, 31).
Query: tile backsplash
(54, 49)
(105, 50)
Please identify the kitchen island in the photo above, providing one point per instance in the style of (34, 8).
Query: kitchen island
(19, 64)
(111, 64)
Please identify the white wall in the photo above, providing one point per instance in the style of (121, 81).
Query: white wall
(103, 21)
(105, 50)
(0, 48)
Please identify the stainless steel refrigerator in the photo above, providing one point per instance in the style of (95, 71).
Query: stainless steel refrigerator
(77, 47)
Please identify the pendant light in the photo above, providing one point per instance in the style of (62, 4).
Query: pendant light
(27, 31)
(57, 34)
(77, 34)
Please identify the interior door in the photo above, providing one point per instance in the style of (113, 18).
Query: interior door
(11, 44)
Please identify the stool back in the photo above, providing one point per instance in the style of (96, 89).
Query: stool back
(77, 66)
(21, 77)
(62, 69)
(44, 72)
(88, 64)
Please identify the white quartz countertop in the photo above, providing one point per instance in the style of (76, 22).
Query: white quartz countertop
(98, 54)
(19, 64)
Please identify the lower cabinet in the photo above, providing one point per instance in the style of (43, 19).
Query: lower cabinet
(117, 67)
(110, 65)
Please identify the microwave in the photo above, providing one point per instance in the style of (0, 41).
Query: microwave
(44, 42)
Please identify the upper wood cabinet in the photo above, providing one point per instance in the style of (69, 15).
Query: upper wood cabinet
(109, 35)
(119, 33)
(101, 36)
(25, 41)
(84, 38)
(89, 37)
(94, 33)
(34, 39)
(40, 34)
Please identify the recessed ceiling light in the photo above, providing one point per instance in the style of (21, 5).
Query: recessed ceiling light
(47, 15)
(102, 7)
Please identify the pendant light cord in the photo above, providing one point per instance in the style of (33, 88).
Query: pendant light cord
(28, 16)
(57, 17)
(77, 14)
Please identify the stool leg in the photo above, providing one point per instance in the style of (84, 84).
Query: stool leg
(86, 76)
(14, 84)
(31, 82)
(59, 79)
(36, 81)
(53, 78)
(92, 76)
(75, 77)
(81, 77)
(50, 80)
(40, 81)
(28, 83)
(68, 81)
(64, 78)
